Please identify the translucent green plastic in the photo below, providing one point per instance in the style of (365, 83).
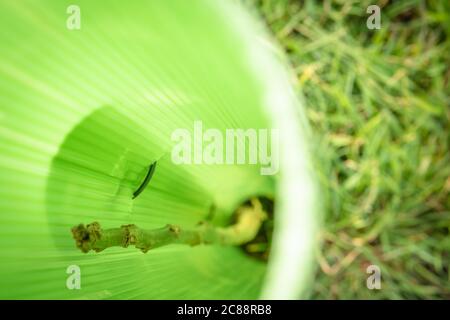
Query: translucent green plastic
(83, 113)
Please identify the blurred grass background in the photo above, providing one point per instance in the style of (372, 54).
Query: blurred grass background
(378, 101)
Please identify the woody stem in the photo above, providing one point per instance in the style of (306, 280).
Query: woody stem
(249, 221)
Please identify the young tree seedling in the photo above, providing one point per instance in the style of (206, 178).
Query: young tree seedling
(249, 219)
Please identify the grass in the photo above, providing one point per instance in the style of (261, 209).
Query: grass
(378, 101)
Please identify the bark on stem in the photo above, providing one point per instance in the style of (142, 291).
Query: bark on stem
(249, 221)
